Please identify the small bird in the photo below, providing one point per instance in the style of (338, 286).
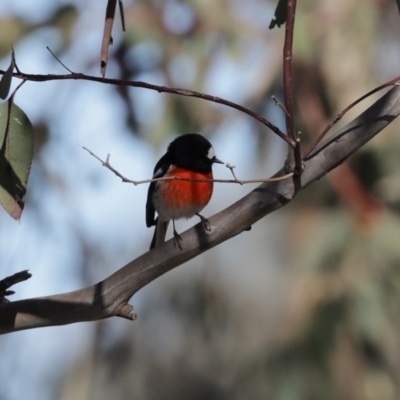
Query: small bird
(188, 156)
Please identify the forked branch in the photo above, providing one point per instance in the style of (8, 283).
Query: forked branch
(110, 297)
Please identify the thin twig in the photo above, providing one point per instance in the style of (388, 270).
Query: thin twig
(294, 155)
(160, 89)
(16, 90)
(232, 167)
(287, 68)
(107, 164)
(338, 117)
(15, 61)
(279, 104)
(60, 62)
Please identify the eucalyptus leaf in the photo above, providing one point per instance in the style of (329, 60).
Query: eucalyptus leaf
(5, 82)
(122, 14)
(280, 14)
(16, 153)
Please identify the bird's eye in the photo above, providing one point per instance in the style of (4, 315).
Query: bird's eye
(211, 153)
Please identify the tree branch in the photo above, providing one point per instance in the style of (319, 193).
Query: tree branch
(160, 89)
(294, 161)
(287, 68)
(107, 164)
(110, 297)
(394, 81)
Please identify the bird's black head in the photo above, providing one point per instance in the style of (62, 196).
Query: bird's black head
(192, 151)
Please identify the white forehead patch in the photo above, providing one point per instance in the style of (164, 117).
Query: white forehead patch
(211, 153)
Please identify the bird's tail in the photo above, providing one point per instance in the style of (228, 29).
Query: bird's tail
(159, 233)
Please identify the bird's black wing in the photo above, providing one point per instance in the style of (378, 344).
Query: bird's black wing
(150, 211)
(159, 170)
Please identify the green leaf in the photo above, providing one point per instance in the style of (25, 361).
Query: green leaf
(5, 82)
(16, 153)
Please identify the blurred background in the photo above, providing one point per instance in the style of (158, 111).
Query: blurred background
(304, 306)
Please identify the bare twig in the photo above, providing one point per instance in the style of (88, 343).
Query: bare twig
(338, 117)
(60, 62)
(160, 89)
(16, 90)
(232, 167)
(287, 68)
(107, 164)
(294, 154)
(15, 61)
(279, 104)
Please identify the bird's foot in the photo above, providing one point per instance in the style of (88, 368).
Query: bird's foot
(177, 240)
(205, 222)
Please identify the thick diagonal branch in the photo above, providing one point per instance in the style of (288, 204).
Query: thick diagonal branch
(110, 297)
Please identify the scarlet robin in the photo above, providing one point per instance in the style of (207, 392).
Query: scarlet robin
(189, 156)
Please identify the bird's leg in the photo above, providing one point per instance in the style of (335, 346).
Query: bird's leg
(205, 222)
(177, 237)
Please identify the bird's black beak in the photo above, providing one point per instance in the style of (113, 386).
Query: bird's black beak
(216, 160)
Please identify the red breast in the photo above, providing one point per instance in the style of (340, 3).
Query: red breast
(182, 194)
